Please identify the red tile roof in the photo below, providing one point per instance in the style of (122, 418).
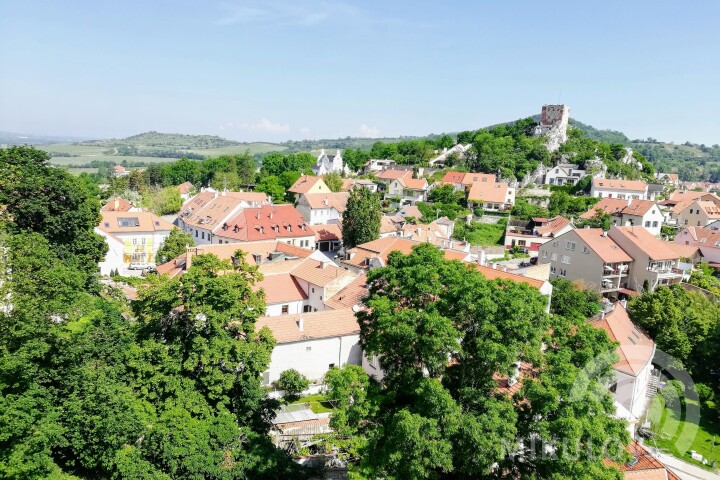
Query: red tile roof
(327, 232)
(647, 467)
(350, 295)
(636, 349)
(495, 274)
(604, 246)
(121, 222)
(413, 183)
(488, 192)
(267, 222)
(325, 324)
(615, 206)
(619, 184)
(207, 209)
(185, 188)
(553, 226)
(380, 248)
(319, 273)
(393, 174)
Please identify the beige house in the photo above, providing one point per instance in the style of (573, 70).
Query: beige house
(308, 184)
(591, 256)
(698, 212)
(618, 188)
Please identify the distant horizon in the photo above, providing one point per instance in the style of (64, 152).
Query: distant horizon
(278, 70)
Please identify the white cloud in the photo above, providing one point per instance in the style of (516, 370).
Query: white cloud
(284, 12)
(368, 132)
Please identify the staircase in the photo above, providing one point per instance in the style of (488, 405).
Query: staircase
(652, 387)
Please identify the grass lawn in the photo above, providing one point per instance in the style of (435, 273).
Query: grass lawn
(675, 436)
(317, 403)
(480, 233)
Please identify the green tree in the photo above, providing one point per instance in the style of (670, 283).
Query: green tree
(334, 181)
(446, 194)
(163, 201)
(272, 186)
(174, 245)
(601, 219)
(361, 220)
(525, 210)
(574, 300)
(293, 383)
(443, 333)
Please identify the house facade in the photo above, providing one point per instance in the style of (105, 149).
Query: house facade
(409, 190)
(267, 222)
(131, 237)
(627, 212)
(697, 213)
(564, 174)
(312, 343)
(322, 208)
(491, 197)
(704, 238)
(618, 188)
(530, 235)
(330, 164)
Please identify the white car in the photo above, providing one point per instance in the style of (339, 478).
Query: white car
(140, 266)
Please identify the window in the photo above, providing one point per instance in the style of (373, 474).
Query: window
(565, 259)
(555, 243)
(563, 272)
(313, 290)
(585, 249)
(613, 387)
(203, 235)
(331, 365)
(554, 257)
(196, 233)
(285, 309)
(655, 224)
(647, 224)
(552, 270)
(134, 241)
(307, 309)
(570, 245)
(308, 349)
(545, 254)
(143, 241)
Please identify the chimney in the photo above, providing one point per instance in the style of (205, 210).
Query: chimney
(323, 265)
(271, 214)
(215, 195)
(188, 257)
(326, 201)
(300, 324)
(629, 201)
(116, 205)
(258, 215)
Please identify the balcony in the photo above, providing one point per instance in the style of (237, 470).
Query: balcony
(612, 270)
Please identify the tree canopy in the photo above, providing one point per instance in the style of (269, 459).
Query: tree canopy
(361, 220)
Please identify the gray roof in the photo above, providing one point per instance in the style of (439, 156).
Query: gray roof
(290, 415)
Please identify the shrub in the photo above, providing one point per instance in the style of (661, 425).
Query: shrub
(705, 392)
(293, 383)
(479, 212)
(673, 393)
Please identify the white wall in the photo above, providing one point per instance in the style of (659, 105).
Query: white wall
(275, 309)
(313, 357)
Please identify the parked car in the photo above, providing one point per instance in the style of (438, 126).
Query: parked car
(140, 265)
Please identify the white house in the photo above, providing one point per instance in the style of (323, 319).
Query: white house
(705, 238)
(330, 164)
(409, 190)
(131, 237)
(460, 150)
(564, 174)
(626, 212)
(322, 208)
(636, 351)
(618, 188)
(312, 343)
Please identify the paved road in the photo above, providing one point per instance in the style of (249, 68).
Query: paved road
(686, 471)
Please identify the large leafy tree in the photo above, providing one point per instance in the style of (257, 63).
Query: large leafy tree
(361, 220)
(38, 197)
(174, 245)
(444, 335)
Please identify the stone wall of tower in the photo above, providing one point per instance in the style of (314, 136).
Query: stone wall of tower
(553, 125)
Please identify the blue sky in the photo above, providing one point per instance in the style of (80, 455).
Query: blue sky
(280, 69)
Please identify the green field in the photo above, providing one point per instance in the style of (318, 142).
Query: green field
(317, 402)
(477, 233)
(677, 437)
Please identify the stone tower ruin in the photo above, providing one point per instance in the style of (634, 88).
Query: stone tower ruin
(553, 125)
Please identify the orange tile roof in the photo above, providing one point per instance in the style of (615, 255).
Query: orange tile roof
(604, 246)
(319, 273)
(411, 211)
(387, 225)
(495, 274)
(636, 349)
(325, 324)
(553, 226)
(453, 177)
(208, 209)
(683, 195)
(117, 204)
(135, 221)
(277, 268)
(471, 178)
(647, 467)
(614, 206)
(337, 200)
(700, 233)
(683, 251)
(185, 188)
(710, 209)
(350, 295)
(413, 183)
(380, 248)
(454, 255)
(393, 174)
(652, 246)
(327, 232)
(619, 184)
(267, 222)
(306, 182)
(488, 192)
(504, 387)
(281, 288)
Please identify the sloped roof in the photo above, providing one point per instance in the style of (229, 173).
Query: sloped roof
(683, 251)
(615, 206)
(488, 192)
(553, 226)
(306, 182)
(280, 289)
(324, 324)
(184, 188)
(380, 248)
(319, 273)
(208, 209)
(413, 183)
(116, 204)
(122, 222)
(495, 274)
(327, 232)
(619, 184)
(350, 295)
(453, 177)
(265, 223)
(389, 174)
(604, 246)
(710, 209)
(683, 195)
(636, 349)
(337, 200)
(411, 211)
(698, 234)
(652, 246)
(647, 466)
